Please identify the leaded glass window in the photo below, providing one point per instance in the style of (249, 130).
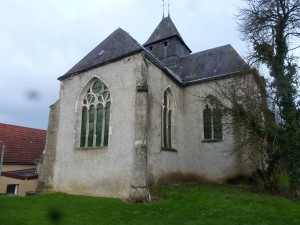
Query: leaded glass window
(212, 123)
(168, 108)
(207, 122)
(95, 116)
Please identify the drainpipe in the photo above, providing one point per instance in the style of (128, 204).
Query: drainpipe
(2, 157)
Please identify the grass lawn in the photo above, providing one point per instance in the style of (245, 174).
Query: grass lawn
(180, 204)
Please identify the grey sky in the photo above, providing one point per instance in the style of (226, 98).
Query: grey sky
(42, 39)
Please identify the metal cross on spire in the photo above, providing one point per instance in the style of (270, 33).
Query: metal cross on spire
(164, 8)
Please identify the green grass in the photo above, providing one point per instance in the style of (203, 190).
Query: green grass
(180, 204)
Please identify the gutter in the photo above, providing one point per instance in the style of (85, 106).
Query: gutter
(2, 157)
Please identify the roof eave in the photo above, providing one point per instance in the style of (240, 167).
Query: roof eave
(166, 38)
(98, 65)
(18, 163)
(218, 77)
(19, 177)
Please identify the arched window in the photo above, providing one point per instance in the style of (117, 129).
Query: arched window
(95, 116)
(207, 122)
(168, 113)
(212, 119)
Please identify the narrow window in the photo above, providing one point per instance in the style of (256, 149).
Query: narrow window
(151, 48)
(95, 116)
(166, 43)
(167, 119)
(91, 126)
(212, 123)
(207, 120)
(83, 126)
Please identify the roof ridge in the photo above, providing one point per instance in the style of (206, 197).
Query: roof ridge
(12, 125)
(210, 49)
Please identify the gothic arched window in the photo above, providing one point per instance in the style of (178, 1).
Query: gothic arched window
(168, 111)
(95, 116)
(212, 120)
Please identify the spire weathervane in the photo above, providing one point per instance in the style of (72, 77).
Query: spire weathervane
(168, 8)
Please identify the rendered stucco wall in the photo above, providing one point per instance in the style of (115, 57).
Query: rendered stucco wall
(46, 169)
(213, 161)
(105, 171)
(163, 166)
(195, 159)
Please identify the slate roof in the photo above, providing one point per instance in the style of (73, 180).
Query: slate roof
(22, 145)
(118, 44)
(207, 64)
(213, 63)
(165, 29)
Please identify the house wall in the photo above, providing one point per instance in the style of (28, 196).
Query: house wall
(24, 185)
(105, 171)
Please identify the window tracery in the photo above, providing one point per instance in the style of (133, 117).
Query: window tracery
(95, 116)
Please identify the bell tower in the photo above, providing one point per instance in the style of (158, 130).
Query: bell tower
(166, 41)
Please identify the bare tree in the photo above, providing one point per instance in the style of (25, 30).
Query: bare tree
(245, 110)
(272, 27)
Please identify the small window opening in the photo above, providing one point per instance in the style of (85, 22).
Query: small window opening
(151, 48)
(12, 189)
(166, 43)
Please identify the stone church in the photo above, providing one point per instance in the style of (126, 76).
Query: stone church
(129, 118)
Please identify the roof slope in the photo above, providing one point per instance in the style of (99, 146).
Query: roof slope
(118, 44)
(207, 64)
(212, 63)
(22, 145)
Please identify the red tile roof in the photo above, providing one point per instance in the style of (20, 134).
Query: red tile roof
(22, 144)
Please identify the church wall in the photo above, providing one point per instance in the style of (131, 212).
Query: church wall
(103, 171)
(211, 161)
(46, 168)
(164, 166)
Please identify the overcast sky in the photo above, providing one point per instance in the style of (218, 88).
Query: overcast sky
(41, 40)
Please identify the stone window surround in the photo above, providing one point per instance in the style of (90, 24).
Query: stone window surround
(78, 113)
(171, 108)
(210, 101)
